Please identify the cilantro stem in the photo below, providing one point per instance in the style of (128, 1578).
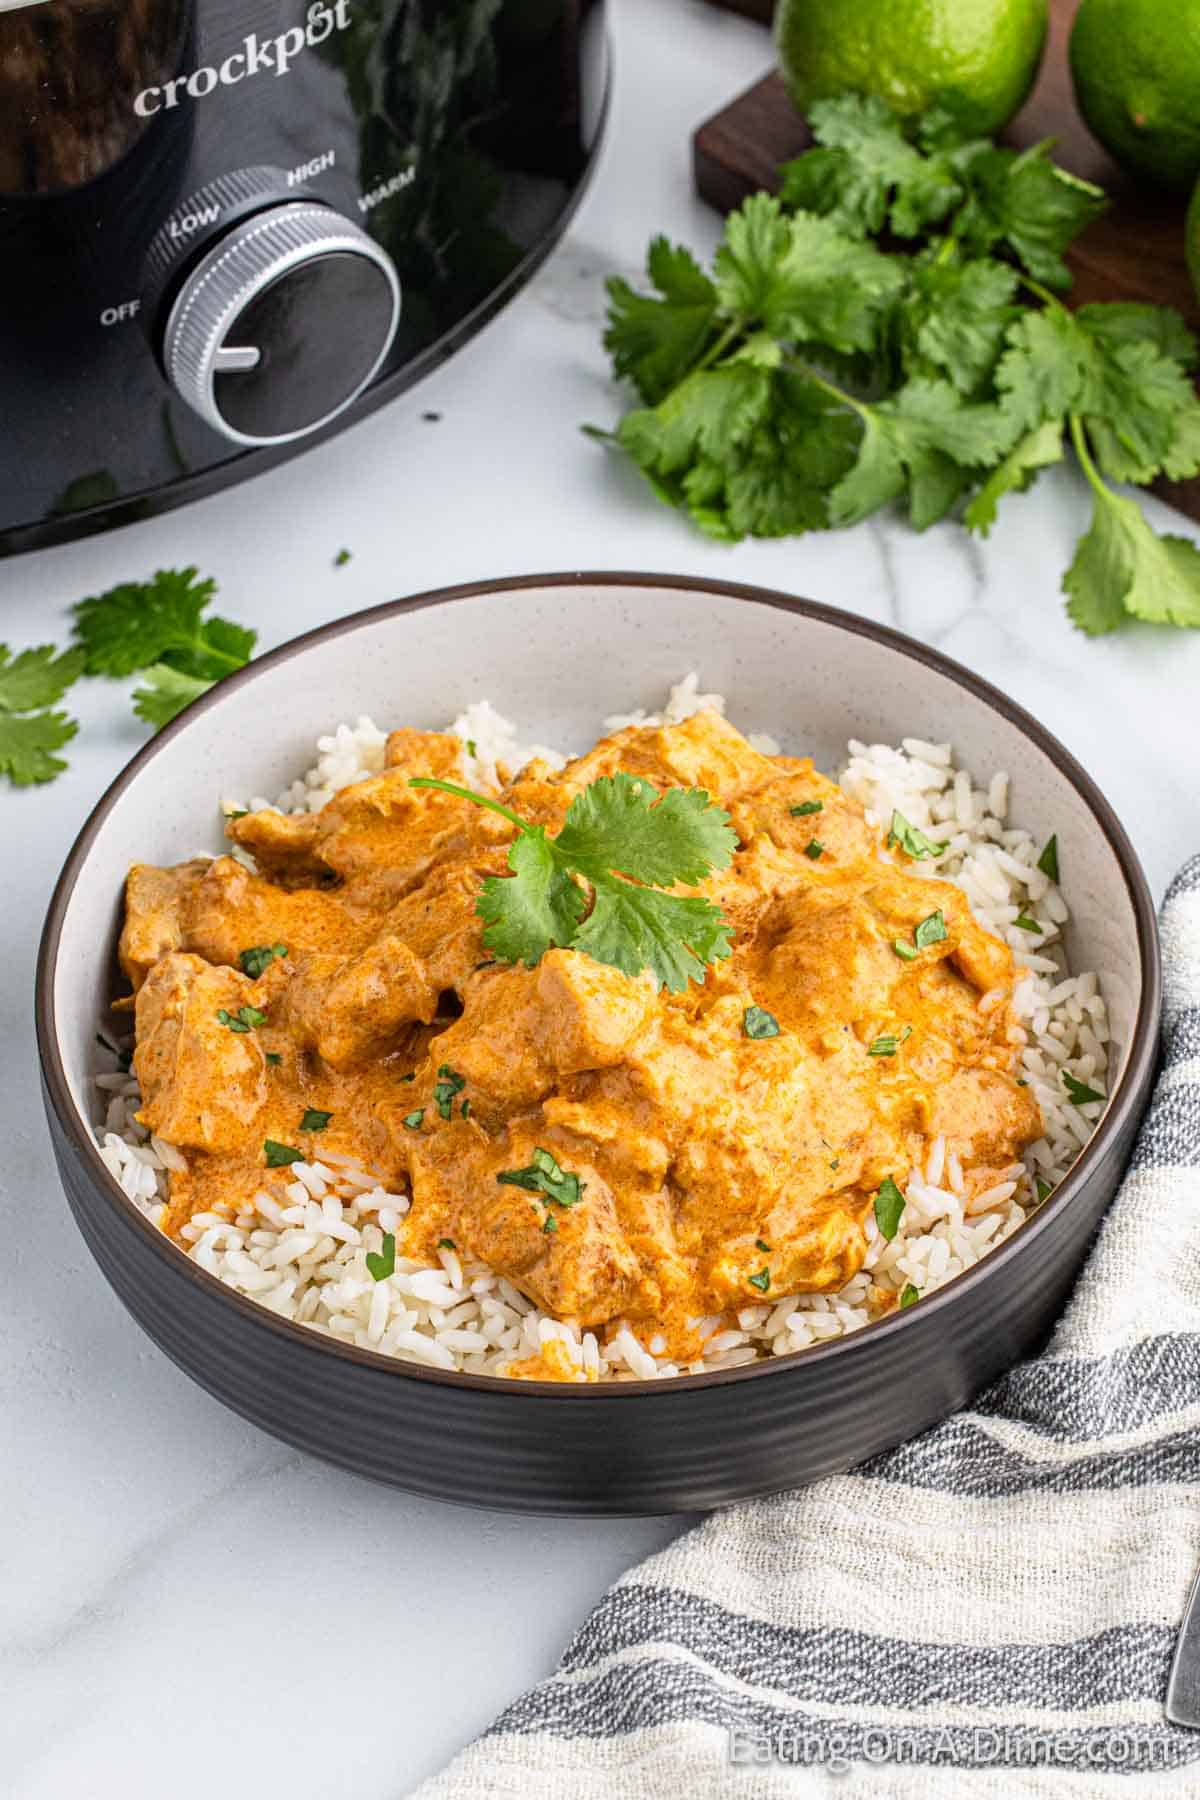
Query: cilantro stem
(1043, 293)
(1079, 440)
(716, 351)
(465, 793)
(828, 387)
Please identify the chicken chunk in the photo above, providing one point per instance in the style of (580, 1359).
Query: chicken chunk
(351, 1009)
(200, 1067)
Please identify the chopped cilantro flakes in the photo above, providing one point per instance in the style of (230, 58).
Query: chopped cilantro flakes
(449, 1085)
(909, 1295)
(806, 809)
(280, 1155)
(259, 957)
(244, 1019)
(382, 1263)
(1047, 862)
(814, 850)
(931, 930)
(1078, 1091)
(314, 1119)
(903, 836)
(544, 1176)
(757, 1022)
(412, 1120)
(761, 1281)
(889, 1208)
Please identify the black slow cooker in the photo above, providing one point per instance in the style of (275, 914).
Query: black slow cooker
(229, 227)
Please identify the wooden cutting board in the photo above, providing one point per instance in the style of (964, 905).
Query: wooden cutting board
(1134, 252)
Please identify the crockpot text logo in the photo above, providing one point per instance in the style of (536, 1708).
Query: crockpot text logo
(257, 55)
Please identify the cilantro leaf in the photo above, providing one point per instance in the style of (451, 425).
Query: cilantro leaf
(777, 483)
(655, 342)
(921, 439)
(622, 823)
(30, 683)
(958, 317)
(757, 1022)
(1032, 453)
(866, 171)
(1042, 373)
(544, 1176)
(1024, 201)
(27, 745)
(137, 624)
(1117, 322)
(909, 838)
(165, 694)
(280, 1156)
(889, 1208)
(538, 906)
(800, 279)
(641, 927)
(1078, 1091)
(382, 1263)
(1122, 566)
(931, 930)
(258, 957)
(636, 928)
(711, 412)
(36, 678)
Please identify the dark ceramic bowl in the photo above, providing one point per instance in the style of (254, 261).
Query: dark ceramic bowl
(557, 653)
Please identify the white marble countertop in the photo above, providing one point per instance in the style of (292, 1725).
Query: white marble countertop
(345, 1638)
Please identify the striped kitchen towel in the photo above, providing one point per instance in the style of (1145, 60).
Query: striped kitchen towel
(989, 1610)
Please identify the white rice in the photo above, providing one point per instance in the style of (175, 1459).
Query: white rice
(300, 1247)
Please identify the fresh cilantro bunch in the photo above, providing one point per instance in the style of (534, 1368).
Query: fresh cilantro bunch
(598, 886)
(157, 626)
(889, 328)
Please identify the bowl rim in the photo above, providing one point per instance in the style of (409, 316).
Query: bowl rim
(1122, 1103)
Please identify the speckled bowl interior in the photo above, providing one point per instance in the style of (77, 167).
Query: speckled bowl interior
(556, 660)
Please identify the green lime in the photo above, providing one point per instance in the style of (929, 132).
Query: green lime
(1136, 65)
(975, 58)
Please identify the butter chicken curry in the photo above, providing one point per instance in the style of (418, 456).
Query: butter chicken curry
(620, 1152)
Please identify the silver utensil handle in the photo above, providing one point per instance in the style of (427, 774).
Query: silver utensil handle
(1183, 1684)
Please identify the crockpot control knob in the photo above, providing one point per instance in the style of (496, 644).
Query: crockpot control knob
(279, 321)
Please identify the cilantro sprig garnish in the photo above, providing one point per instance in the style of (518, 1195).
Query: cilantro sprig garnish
(154, 625)
(30, 731)
(889, 329)
(598, 886)
(244, 1019)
